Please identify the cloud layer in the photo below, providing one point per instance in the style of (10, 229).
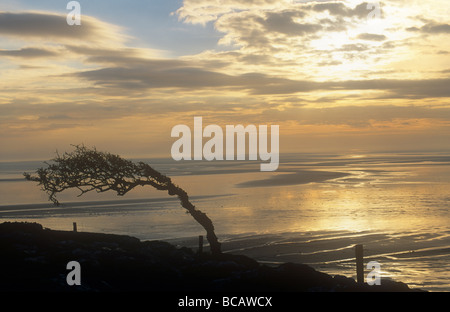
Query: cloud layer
(45, 26)
(315, 67)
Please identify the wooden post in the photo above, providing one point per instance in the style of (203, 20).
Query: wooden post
(200, 244)
(74, 226)
(359, 264)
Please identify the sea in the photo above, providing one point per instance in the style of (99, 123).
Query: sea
(314, 209)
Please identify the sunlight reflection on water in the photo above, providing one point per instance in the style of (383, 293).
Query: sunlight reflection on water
(408, 194)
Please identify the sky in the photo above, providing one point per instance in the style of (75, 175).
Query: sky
(347, 77)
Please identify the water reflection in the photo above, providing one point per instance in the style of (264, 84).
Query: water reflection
(388, 195)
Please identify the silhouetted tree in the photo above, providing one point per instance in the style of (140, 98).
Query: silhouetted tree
(90, 170)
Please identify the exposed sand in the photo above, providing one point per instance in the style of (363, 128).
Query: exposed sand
(300, 177)
(419, 259)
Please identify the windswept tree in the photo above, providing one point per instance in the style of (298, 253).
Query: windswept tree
(90, 170)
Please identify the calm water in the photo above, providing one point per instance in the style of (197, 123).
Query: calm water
(313, 210)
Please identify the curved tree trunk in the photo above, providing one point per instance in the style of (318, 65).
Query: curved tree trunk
(207, 224)
(199, 216)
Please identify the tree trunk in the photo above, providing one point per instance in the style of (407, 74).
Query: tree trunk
(199, 216)
(207, 224)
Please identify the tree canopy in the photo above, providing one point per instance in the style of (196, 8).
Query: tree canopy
(90, 170)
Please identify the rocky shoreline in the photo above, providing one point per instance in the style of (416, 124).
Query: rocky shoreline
(35, 259)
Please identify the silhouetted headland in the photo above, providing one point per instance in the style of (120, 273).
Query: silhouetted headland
(35, 259)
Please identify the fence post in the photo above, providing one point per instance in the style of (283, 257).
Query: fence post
(200, 244)
(74, 226)
(359, 264)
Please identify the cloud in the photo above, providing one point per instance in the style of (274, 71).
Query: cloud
(432, 28)
(362, 10)
(270, 27)
(354, 47)
(29, 53)
(93, 112)
(145, 74)
(283, 22)
(316, 66)
(47, 26)
(161, 74)
(390, 88)
(356, 116)
(204, 11)
(284, 37)
(406, 88)
(372, 37)
(296, 19)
